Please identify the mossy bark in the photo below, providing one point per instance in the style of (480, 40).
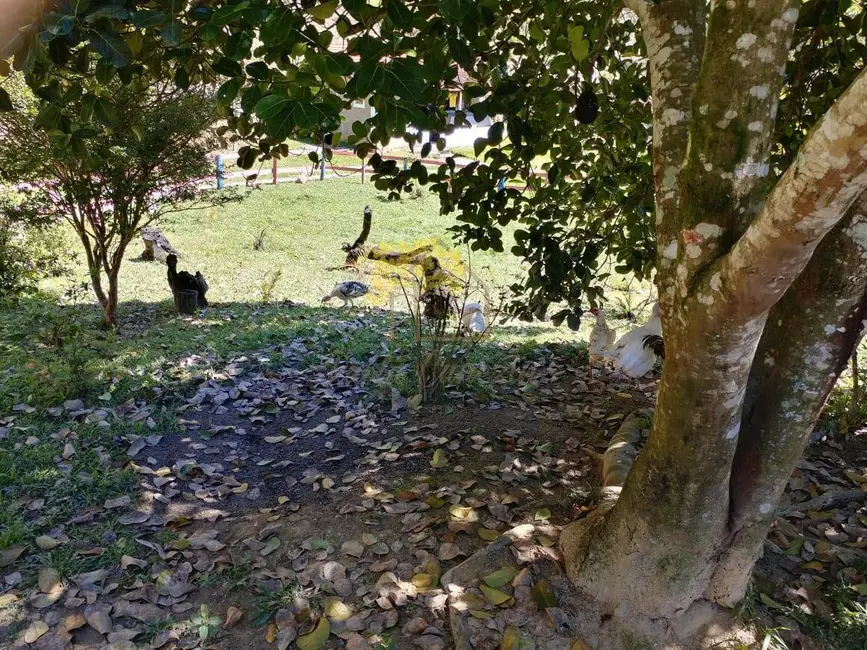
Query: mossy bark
(806, 344)
(683, 527)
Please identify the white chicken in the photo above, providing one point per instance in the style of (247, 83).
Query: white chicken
(473, 318)
(635, 353)
(602, 337)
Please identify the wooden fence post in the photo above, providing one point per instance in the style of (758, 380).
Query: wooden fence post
(273, 171)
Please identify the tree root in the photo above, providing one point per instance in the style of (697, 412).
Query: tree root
(616, 463)
(823, 501)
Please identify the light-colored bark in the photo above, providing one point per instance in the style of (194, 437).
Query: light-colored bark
(829, 173)
(722, 268)
(674, 35)
(806, 344)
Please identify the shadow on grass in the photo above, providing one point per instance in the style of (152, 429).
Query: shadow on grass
(50, 353)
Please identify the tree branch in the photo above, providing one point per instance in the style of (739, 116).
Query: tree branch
(731, 134)
(829, 173)
(673, 33)
(809, 337)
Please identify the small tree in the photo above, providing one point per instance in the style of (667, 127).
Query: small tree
(140, 154)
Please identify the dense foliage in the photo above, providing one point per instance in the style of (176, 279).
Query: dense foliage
(29, 250)
(539, 69)
(135, 152)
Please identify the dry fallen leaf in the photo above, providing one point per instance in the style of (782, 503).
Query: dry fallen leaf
(233, 616)
(352, 548)
(544, 595)
(36, 630)
(46, 543)
(495, 596)
(317, 638)
(439, 459)
(336, 609)
(511, 639)
(270, 546)
(10, 554)
(449, 551)
(49, 578)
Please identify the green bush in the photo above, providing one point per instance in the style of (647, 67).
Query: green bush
(28, 253)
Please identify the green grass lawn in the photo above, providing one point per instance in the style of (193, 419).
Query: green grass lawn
(304, 227)
(49, 353)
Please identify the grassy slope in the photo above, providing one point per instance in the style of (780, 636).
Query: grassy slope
(305, 226)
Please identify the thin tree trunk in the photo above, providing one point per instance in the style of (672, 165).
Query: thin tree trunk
(109, 312)
(855, 401)
(810, 336)
(96, 282)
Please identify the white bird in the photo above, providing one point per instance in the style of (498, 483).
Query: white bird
(347, 292)
(473, 318)
(635, 353)
(602, 337)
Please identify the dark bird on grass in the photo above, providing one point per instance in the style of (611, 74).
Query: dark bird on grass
(184, 281)
(347, 292)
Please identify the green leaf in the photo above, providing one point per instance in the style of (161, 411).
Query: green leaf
(306, 114)
(399, 13)
(405, 79)
(270, 107)
(182, 78)
(225, 66)
(49, 116)
(148, 18)
(59, 25)
(770, 602)
(495, 596)
(317, 638)
(5, 101)
(323, 11)
(278, 26)
(500, 577)
(228, 91)
(456, 9)
(111, 47)
(104, 111)
(172, 34)
(115, 12)
(368, 78)
(258, 70)
(229, 13)
(580, 45)
(543, 594)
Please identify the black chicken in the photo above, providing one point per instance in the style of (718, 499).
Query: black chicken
(184, 281)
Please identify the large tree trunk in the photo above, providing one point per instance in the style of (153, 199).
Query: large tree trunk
(653, 552)
(808, 340)
(683, 528)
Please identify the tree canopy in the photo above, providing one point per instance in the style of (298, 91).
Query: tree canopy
(721, 144)
(536, 68)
